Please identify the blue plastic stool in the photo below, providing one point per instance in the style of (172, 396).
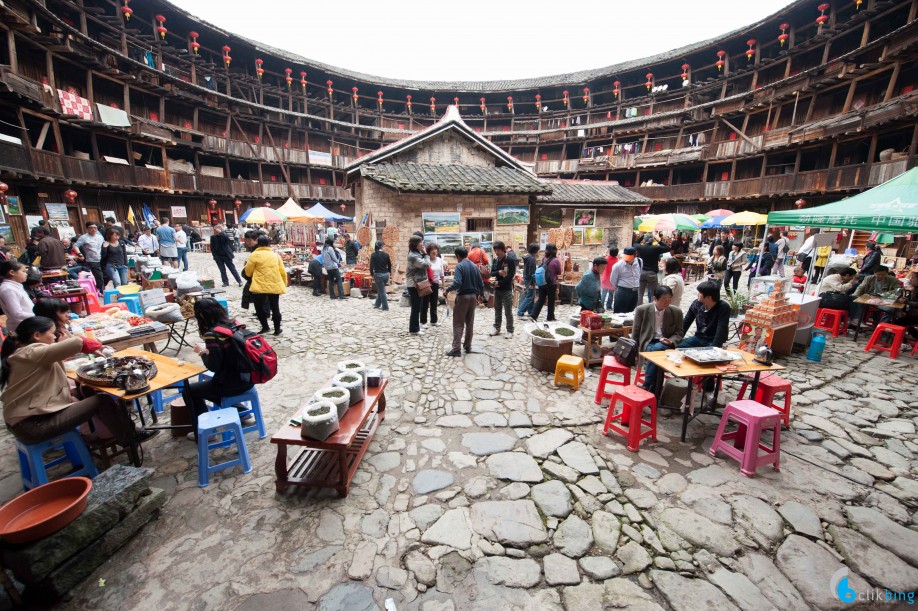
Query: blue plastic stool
(160, 401)
(133, 303)
(222, 422)
(32, 458)
(111, 296)
(223, 302)
(251, 398)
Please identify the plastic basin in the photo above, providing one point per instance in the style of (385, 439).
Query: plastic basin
(44, 510)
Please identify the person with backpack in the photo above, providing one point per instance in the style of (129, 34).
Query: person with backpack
(524, 310)
(222, 355)
(547, 279)
(269, 282)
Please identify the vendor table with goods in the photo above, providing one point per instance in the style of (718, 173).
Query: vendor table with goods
(869, 302)
(331, 463)
(593, 337)
(76, 297)
(120, 329)
(694, 269)
(170, 372)
(55, 276)
(676, 363)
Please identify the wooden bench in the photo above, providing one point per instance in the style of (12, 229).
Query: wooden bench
(333, 462)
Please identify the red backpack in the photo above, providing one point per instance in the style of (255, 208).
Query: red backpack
(259, 358)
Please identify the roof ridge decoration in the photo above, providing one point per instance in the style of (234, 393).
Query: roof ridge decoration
(451, 121)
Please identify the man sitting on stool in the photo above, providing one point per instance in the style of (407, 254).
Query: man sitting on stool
(657, 326)
(712, 319)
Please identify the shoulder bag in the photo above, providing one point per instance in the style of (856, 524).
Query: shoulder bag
(625, 351)
(423, 287)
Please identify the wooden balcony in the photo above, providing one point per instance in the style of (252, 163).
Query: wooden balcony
(746, 187)
(81, 170)
(245, 187)
(150, 178)
(183, 182)
(13, 157)
(215, 184)
(656, 193)
(883, 171)
(715, 190)
(238, 148)
(847, 177)
(811, 181)
(46, 163)
(687, 192)
(778, 184)
(275, 189)
(216, 144)
(115, 173)
(549, 166)
(24, 87)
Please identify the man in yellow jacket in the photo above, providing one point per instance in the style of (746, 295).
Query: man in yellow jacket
(269, 282)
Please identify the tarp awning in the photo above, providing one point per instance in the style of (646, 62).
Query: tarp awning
(321, 211)
(295, 214)
(891, 207)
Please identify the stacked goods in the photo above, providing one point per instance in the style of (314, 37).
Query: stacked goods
(763, 318)
(568, 237)
(556, 237)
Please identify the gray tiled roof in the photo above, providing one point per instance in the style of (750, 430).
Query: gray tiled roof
(568, 79)
(589, 192)
(453, 178)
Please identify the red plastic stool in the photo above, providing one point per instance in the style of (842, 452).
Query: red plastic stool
(752, 418)
(633, 400)
(611, 366)
(896, 344)
(769, 386)
(835, 321)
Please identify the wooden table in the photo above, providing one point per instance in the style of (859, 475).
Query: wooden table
(169, 372)
(865, 310)
(74, 297)
(690, 369)
(694, 268)
(598, 334)
(333, 462)
(49, 277)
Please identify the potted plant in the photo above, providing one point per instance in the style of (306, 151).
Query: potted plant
(353, 382)
(319, 421)
(339, 397)
(738, 301)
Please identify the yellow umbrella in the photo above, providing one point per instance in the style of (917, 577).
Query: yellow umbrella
(744, 219)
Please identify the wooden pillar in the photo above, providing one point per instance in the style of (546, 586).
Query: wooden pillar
(11, 49)
(891, 87)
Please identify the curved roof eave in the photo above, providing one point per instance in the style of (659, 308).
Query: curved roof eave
(556, 80)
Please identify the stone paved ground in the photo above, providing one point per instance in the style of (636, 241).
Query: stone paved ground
(489, 488)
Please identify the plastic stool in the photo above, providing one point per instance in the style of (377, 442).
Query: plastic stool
(93, 300)
(34, 468)
(610, 367)
(160, 401)
(133, 303)
(223, 302)
(224, 422)
(569, 370)
(835, 321)
(254, 408)
(896, 344)
(752, 418)
(88, 283)
(110, 296)
(633, 400)
(769, 386)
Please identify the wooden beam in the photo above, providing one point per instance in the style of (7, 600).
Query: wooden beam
(739, 133)
(40, 145)
(891, 87)
(280, 161)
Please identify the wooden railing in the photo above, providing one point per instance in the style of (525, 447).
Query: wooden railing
(687, 192)
(275, 189)
(46, 163)
(777, 184)
(80, 169)
(245, 187)
(716, 189)
(847, 177)
(745, 187)
(183, 182)
(115, 173)
(148, 177)
(214, 184)
(13, 157)
(811, 181)
(887, 170)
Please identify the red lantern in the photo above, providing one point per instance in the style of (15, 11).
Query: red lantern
(433, 105)
(343, 208)
(195, 45)
(586, 95)
(354, 95)
(161, 28)
(258, 69)
(456, 102)
(289, 77)
(482, 105)
(266, 205)
(649, 83)
(822, 13)
(409, 103)
(212, 203)
(328, 84)
(800, 203)
(510, 103)
(566, 99)
(303, 80)
(782, 38)
(750, 52)
(616, 89)
(226, 55)
(720, 60)
(538, 102)
(685, 69)
(3, 189)
(127, 11)
(70, 195)
(238, 204)
(379, 99)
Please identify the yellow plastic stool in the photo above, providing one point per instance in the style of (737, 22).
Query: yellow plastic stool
(569, 370)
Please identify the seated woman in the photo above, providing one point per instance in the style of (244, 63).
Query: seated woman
(220, 356)
(14, 300)
(36, 395)
(58, 311)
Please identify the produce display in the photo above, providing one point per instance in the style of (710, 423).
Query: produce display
(552, 333)
(130, 373)
(111, 325)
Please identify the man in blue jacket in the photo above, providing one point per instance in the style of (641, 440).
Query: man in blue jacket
(468, 286)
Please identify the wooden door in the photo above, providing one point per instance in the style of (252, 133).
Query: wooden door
(74, 215)
(94, 215)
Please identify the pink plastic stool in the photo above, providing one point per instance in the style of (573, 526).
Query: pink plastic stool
(752, 418)
(611, 367)
(88, 283)
(769, 386)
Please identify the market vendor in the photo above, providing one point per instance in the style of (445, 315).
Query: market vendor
(37, 404)
(14, 301)
(58, 311)
(589, 289)
(711, 316)
(880, 284)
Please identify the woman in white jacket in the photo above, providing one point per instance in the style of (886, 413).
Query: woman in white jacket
(14, 300)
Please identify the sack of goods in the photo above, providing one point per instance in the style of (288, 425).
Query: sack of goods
(165, 312)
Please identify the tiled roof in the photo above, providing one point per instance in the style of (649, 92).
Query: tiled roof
(431, 178)
(589, 192)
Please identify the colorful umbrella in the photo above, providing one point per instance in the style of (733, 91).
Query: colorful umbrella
(719, 212)
(262, 216)
(715, 222)
(639, 219)
(745, 219)
(700, 217)
(669, 222)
